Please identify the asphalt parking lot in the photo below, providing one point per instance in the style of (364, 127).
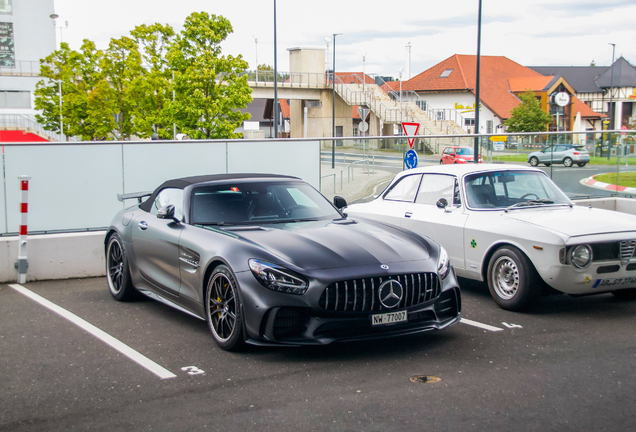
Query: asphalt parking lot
(567, 365)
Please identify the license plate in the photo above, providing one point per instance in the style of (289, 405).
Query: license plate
(614, 282)
(389, 318)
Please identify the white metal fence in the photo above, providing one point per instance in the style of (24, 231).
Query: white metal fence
(74, 186)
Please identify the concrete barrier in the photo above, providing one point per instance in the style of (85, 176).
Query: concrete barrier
(55, 256)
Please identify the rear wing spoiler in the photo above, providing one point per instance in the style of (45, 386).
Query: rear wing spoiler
(138, 195)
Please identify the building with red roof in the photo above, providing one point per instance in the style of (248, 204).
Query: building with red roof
(450, 85)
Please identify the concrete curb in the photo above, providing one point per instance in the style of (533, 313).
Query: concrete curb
(592, 182)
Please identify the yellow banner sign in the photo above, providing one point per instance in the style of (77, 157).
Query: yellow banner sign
(498, 138)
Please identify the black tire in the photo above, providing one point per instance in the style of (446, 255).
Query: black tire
(223, 310)
(512, 279)
(625, 294)
(441, 162)
(581, 164)
(567, 162)
(547, 164)
(118, 272)
(533, 161)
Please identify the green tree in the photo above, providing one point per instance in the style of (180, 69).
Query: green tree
(87, 101)
(210, 88)
(122, 69)
(153, 88)
(528, 116)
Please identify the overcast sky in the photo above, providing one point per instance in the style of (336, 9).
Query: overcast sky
(529, 32)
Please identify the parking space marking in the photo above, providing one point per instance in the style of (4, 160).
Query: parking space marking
(124, 349)
(480, 325)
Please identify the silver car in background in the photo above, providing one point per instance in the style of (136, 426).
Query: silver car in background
(567, 154)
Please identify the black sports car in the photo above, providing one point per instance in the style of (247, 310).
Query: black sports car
(266, 259)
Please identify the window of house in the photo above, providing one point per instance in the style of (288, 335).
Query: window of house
(15, 99)
(446, 73)
(5, 6)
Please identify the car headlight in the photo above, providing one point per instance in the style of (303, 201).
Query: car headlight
(278, 278)
(443, 263)
(581, 256)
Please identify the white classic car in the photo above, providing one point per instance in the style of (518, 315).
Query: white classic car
(511, 226)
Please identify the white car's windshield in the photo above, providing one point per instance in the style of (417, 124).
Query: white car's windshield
(502, 189)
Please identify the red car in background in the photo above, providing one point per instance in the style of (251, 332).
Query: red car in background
(457, 154)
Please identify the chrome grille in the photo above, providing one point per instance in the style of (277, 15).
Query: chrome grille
(361, 295)
(627, 251)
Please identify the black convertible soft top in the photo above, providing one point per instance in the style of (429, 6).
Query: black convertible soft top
(184, 182)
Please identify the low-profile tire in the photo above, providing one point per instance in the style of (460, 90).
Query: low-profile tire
(118, 272)
(581, 164)
(512, 279)
(533, 161)
(223, 310)
(625, 294)
(567, 162)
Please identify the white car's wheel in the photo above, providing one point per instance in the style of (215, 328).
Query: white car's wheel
(512, 280)
(534, 161)
(567, 162)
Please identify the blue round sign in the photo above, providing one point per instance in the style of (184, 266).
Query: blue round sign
(410, 159)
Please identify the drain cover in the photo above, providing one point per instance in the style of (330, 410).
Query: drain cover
(421, 379)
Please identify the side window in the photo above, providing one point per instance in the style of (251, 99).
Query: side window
(434, 187)
(456, 200)
(166, 197)
(405, 189)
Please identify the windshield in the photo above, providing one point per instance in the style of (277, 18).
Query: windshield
(502, 189)
(253, 202)
(465, 151)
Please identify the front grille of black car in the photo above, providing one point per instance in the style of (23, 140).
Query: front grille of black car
(361, 295)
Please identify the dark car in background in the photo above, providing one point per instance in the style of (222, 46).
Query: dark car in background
(266, 259)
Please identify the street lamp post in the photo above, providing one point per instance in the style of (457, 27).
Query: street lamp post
(333, 104)
(408, 73)
(256, 43)
(275, 79)
(59, 86)
(476, 157)
(401, 127)
(611, 108)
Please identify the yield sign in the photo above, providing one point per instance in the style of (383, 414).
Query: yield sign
(410, 130)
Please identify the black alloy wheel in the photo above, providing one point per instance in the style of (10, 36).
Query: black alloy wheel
(223, 310)
(118, 272)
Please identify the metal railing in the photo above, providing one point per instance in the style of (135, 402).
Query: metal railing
(286, 79)
(22, 68)
(27, 123)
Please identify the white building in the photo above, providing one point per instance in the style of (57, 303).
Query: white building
(27, 34)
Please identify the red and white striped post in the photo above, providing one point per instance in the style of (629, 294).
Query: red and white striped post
(22, 263)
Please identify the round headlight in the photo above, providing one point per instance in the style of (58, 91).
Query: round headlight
(581, 256)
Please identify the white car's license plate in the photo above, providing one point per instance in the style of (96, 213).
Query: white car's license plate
(614, 282)
(389, 318)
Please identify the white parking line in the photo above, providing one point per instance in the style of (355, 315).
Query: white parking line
(99, 334)
(480, 325)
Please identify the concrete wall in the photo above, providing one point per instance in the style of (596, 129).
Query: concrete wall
(55, 256)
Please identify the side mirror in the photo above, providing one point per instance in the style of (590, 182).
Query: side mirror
(167, 212)
(339, 202)
(442, 203)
